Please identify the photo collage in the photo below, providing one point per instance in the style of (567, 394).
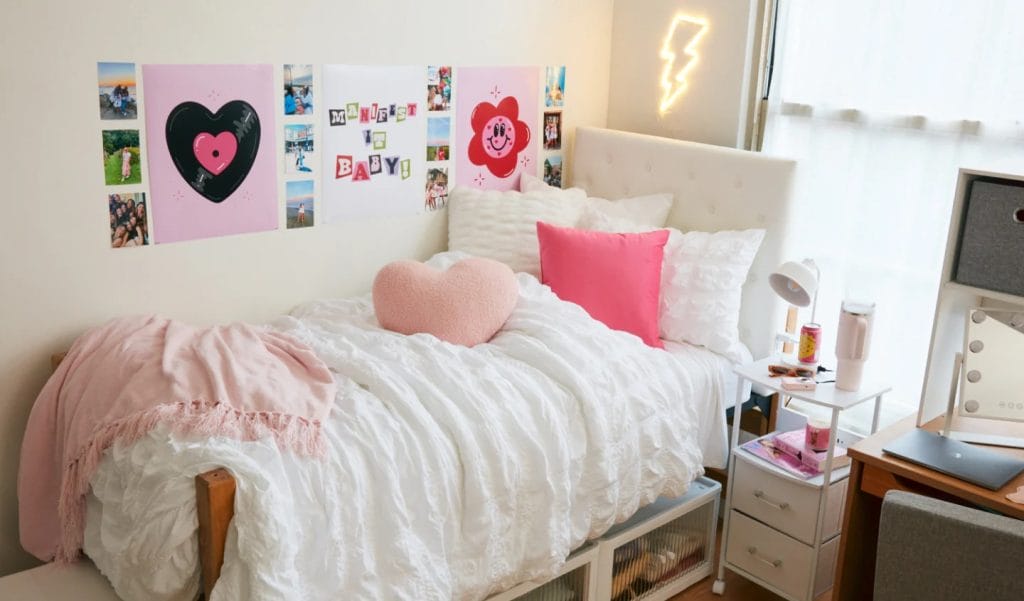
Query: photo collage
(299, 132)
(122, 155)
(554, 102)
(439, 135)
(199, 158)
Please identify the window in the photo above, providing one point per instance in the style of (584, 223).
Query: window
(881, 102)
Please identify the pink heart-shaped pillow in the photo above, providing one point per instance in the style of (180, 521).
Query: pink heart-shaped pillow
(465, 305)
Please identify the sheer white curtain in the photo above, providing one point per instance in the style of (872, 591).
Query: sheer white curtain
(881, 101)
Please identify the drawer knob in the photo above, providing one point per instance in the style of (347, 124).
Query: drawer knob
(780, 505)
(775, 563)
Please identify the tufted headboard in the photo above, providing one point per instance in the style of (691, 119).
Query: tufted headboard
(715, 189)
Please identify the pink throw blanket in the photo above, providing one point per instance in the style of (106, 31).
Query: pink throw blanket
(122, 379)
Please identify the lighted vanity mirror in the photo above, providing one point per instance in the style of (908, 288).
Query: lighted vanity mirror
(992, 378)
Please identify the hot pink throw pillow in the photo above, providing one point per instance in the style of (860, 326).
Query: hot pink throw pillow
(615, 277)
(465, 305)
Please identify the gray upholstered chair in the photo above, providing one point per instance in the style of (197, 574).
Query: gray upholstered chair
(936, 551)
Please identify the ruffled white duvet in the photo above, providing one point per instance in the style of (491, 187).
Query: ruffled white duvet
(452, 472)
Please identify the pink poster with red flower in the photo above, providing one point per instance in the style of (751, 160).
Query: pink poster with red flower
(496, 118)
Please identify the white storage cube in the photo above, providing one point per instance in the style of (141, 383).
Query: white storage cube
(663, 549)
(576, 581)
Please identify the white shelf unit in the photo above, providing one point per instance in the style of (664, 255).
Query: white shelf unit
(663, 549)
(576, 581)
(780, 531)
(953, 303)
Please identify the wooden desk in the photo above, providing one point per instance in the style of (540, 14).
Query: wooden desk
(873, 473)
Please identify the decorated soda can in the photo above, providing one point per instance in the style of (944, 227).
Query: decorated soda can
(810, 343)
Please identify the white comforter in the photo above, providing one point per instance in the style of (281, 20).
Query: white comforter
(452, 472)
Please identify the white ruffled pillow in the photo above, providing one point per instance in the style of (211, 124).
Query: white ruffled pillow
(503, 225)
(702, 280)
(651, 210)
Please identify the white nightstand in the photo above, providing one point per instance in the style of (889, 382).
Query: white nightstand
(780, 531)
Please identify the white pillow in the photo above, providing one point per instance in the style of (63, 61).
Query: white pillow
(702, 280)
(651, 210)
(503, 225)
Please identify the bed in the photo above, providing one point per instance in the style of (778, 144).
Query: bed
(715, 189)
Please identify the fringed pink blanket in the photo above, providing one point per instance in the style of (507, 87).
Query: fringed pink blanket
(122, 379)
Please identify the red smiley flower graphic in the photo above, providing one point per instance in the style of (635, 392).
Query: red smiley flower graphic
(498, 136)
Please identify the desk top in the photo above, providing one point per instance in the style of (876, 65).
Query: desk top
(826, 395)
(869, 451)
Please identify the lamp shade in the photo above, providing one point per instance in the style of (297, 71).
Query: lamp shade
(796, 282)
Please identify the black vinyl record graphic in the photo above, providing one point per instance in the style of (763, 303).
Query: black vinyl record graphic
(213, 152)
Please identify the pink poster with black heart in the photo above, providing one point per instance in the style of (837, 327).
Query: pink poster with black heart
(211, 146)
(496, 115)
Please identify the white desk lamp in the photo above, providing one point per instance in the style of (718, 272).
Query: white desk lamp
(797, 284)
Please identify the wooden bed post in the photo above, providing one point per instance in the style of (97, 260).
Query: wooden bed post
(215, 506)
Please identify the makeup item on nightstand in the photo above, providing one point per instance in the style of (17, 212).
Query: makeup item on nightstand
(799, 383)
(797, 284)
(853, 339)
(816, 434)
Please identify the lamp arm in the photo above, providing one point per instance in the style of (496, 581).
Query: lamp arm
(814, 303)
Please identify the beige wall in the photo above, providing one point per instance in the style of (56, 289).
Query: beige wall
(57, 276)
(714, 109)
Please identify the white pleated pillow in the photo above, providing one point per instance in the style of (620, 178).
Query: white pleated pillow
(503, 225)
(650, 210)
(702, 280)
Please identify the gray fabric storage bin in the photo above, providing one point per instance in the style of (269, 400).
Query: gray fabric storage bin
(991, 251)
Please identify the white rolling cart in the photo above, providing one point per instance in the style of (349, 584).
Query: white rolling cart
(780, 531)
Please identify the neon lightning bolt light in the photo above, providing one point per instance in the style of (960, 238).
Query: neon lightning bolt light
(674, 85)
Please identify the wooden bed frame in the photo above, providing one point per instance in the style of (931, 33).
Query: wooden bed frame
(215, 507)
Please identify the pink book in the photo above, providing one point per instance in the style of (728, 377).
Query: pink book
(792, 443)
(761, 448)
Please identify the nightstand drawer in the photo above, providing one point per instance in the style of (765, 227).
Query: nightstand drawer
(784, 504)
(779, 560)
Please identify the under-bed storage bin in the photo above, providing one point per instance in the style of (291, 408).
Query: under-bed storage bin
(577, 581)
(663, 549)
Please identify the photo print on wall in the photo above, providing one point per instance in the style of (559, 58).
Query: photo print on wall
(553, 171)
(554, 86)
(128, 225)
(299, 204)
(117, 91)
(298, 90)
(496, 111)
(437, 189)
(439, 131)
(298, 148)
(373, 159)
(552, 130)
(439, 88)
(210, 141)
(122, 157)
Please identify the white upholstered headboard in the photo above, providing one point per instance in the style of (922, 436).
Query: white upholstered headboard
(715, 189)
